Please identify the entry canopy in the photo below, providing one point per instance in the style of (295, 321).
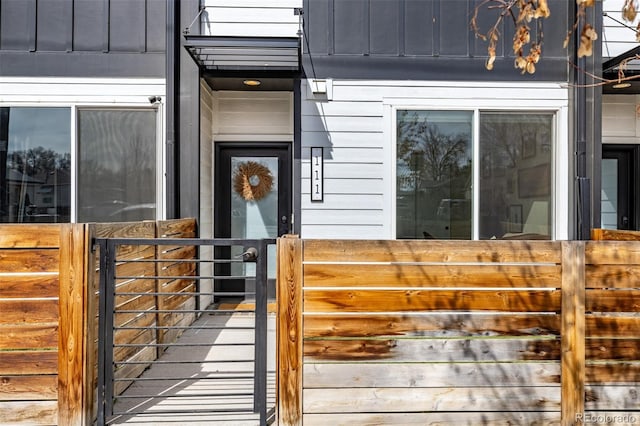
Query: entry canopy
(226, 53)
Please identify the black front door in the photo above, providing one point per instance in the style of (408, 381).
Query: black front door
(620, 174)
(252, 201)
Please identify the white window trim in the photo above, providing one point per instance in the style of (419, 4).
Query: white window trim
(99, 93)
(559, 156)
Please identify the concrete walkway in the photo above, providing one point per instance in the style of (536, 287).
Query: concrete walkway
(213, 387)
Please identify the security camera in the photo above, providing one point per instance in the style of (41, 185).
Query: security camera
(154, 100)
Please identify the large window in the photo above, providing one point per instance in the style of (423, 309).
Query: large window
(435, 194)
(35, 164)
(115, 160)
(117, 165)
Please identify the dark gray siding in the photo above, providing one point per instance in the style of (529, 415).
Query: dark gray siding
(82, 38)
(418, 39)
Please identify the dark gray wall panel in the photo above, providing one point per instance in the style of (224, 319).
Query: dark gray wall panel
(54, 25)
(419, 27)
(128, 26)
(385, 13)
(419, 39)
(16, 24)
(351, 27)
(88, 25)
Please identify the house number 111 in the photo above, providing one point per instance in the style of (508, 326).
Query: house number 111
(317, 171)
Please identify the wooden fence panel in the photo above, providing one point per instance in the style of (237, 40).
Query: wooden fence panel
(399, 330)
(29, 324)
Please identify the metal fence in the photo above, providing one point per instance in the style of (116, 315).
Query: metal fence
(153, 293)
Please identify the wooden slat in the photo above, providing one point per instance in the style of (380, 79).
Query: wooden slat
(618, 397)
(29, 260)
(176, 252)
(431, 251)
(29, 362)
(37, 336)
(468, 418)
(610, 349)
(612, 372)
(184, 228)
(29, 285)
(436, 324)
(613, 301)
(612, 252)
(612, 326)
(429, 350)
(614, 235)
(29, 412)
(355, 375)
(289, 330)
(385, 400)
(30, 236)
(28, 388)
(613, 276)
(125, 230)
(71, 359)
(425, 300)
(25, 311)
(402, 275)
(573, 331)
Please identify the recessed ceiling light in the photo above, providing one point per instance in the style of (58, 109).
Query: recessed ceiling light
(622, 85)
(251, 82)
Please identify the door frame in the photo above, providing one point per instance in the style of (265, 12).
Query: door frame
(627, 190)
(283, 149)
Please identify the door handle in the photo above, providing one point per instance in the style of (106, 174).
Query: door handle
(625, 222)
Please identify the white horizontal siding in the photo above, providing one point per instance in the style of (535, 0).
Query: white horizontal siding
(620, 119)
(356, 127)
(256, 18)
(616, 38)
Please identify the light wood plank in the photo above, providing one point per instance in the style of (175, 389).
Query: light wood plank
(468, 418)
(29, 412)
(612, 253)
(36, 336)
(612, 276)
(28, 388)
(29, 260)
(29, 285)
(408, 400)
(452, 374)
(614, 235)
(28, 311)
(289, 330)
(426, 300)
(403, 275)
(612, 373)
(612, 349)
(29, 236)
(434, 324)
(432, 350)
(29, 362)
(613, 300)
(618, 397)
(184, 228)
(431, 251)
(612, 326)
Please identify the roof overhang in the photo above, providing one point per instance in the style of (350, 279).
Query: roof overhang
(611, 66)
(219, 54)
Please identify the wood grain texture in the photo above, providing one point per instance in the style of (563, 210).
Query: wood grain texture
(431, 251)
(612, 326)
(612, 373)
(29, 285)
(29, 236)
(29, 362)
(29, 412)
(289, 330)
(612, 276)
(612, 349)
(28, 311)
(573, 331)
(385, 400)
(612, 301)
(466, 418)
(29, 388)
(429, 300)
(410, 275)
(614, 235)
(618, 397)
(32, 336)
(434, 324)
(30, 260)
(432, 350)
(612, 253)
(430, 375)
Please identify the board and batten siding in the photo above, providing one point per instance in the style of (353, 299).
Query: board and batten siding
(619, 119)
(255, 18)
(354, 123)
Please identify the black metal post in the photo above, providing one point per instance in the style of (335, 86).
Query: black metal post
(260, 356)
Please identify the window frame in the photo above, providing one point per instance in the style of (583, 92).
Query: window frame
(559, 151)
(78, 102)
